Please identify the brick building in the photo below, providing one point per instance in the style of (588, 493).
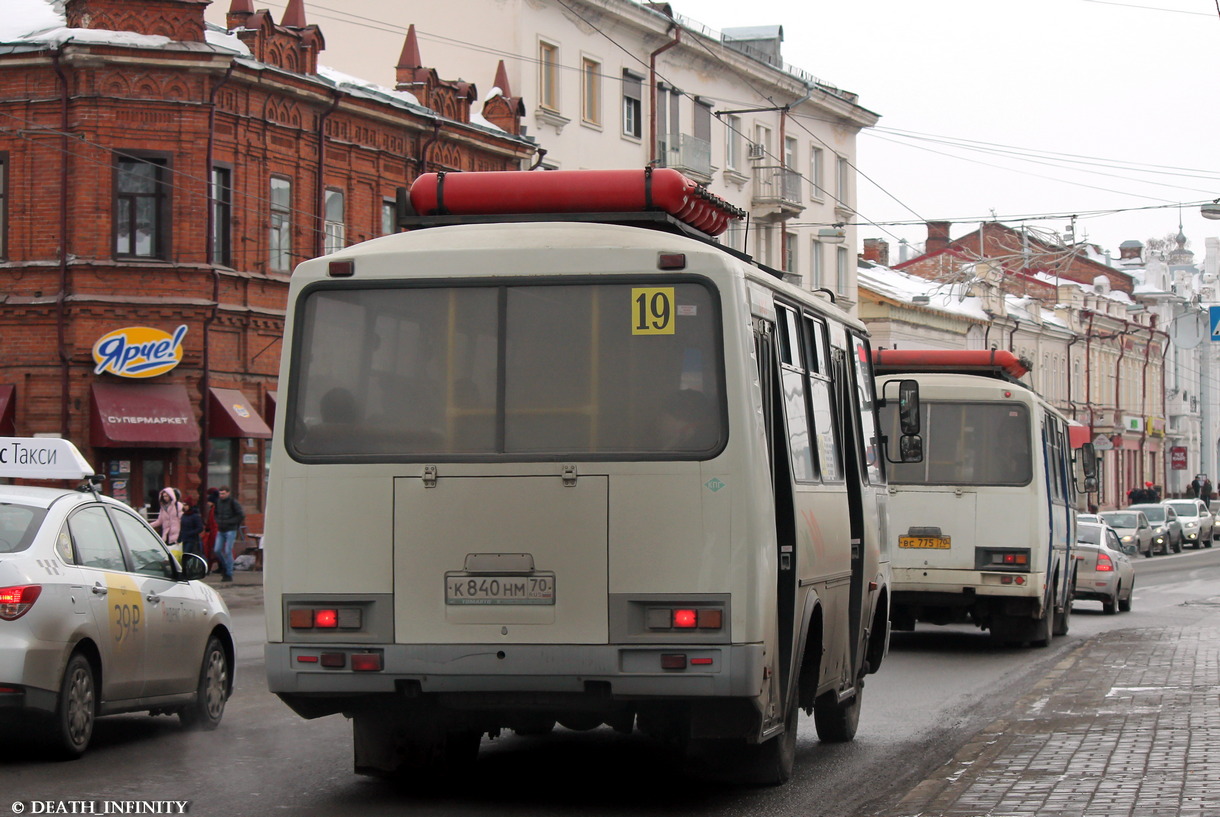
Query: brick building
(159, 179)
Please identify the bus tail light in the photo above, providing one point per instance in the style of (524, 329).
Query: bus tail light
(366, 662)
(16, 601)
(685, 618)
(1001, 559)
(325, 618)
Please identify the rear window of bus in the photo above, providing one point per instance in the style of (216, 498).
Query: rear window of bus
(601, 370)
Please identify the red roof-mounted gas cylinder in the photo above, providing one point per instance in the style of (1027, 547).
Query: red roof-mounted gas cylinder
(572, 191)
(979, 361)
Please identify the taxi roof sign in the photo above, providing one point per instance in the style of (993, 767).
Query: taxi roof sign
(42, 458)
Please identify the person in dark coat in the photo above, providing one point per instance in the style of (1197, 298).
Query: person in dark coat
(191, 531)
(230, 516)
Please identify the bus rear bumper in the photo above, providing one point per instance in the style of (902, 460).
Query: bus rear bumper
(673, 671)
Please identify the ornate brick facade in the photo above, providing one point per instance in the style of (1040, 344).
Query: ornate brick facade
(136, 191)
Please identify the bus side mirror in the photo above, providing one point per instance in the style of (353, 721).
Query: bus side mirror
(908, 407)
(1088, 461)
(910, 444)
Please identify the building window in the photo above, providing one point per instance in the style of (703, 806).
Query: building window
(817, 181)
(842, 181)
(790, 252)
(388, 217)
(548, 76)
(632, 107)
(762, 144)
(841, 271)
(280, 258)
(762, 245)
(221, 453)
(790, 153)
(591, 92)
(815, 265)
(222, 216)
(334, 228)
(732, 142)
(141, 207)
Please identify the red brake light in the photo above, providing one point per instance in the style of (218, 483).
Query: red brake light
(1103, 563)
(16, 601)
(685, 618)
(326, 618)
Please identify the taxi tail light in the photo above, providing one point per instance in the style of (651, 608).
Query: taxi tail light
(1104, 564)
(16, 601)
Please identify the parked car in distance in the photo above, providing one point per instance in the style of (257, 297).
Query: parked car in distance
(1088, 517)
(1197, 521)
(1103, 568)
(1166, 527)
(1132, 527)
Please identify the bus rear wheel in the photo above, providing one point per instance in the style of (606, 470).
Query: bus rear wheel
(837, 722)
(769, 763)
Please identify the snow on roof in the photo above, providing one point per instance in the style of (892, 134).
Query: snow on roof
(904, 287)
(42, 22)
(360, 87)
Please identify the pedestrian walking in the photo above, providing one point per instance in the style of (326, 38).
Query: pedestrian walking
(1205, 491)
(192, 530)
(230, 516)
(169, 515)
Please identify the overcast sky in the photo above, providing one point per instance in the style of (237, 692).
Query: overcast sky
(1039, 107)
(1033, 110)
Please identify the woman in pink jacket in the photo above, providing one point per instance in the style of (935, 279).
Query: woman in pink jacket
(169, 515)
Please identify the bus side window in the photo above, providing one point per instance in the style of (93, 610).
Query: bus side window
(792, 378)
(825, 444)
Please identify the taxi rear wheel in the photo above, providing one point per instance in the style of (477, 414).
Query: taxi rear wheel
(208, 707)
(76, 710)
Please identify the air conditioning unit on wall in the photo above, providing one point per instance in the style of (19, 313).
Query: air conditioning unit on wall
(757, 151)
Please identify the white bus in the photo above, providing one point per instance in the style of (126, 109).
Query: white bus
(530, 470)
(984, 525)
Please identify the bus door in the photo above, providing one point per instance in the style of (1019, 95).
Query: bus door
(785, 511)
(848, 396)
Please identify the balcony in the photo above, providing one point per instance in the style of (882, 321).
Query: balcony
(691, 156)
(777, 193)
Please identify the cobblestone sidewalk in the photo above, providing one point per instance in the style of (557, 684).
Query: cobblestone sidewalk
(1126, 725)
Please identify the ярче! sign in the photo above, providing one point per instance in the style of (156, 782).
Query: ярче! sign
(138, 351)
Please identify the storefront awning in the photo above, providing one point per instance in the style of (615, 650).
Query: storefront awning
(142, 415)
(8, 411)
(230, 414)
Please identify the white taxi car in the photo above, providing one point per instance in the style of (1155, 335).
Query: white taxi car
(96, 616)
